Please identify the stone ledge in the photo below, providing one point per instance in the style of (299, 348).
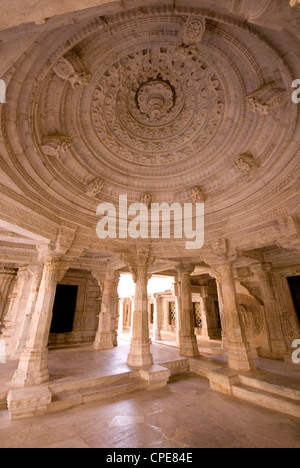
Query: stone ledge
(28, 402)
(222, 380)
(156, 376)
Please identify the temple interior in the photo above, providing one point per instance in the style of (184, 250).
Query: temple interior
(137, 328)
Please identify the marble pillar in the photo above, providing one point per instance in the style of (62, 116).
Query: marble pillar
(140, 355)
(209, 326)
(156, 317)
(132, 299)
(122, 306)
(176, 293)
(7, 274)
(26, 313)
(239, 354)
(188, 346)
(18, 306)
(106, 336)
(33, 365)
(272, 313)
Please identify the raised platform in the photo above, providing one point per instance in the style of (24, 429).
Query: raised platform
(274, 390)
(84, 375)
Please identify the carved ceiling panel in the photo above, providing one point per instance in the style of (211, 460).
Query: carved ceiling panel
(152, 102)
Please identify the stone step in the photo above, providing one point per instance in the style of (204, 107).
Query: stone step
(69, 399)
(267, 383)
(180, 366)
(72, 385)
(267, 399)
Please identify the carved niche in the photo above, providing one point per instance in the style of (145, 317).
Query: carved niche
(94, 188)
(193, 31)
(246, 164)
(268, 97)
(65, 70)
(56, 145)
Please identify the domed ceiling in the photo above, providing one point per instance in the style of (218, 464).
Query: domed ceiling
(152, 101)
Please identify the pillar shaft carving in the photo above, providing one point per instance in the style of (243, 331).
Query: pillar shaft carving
(122, 306)
(140, 355)
(209, 329)
(156, 317)
(33, 368)
(7, 275)
(265, 273)
(239, 355)
(25, 316)
(221, 258)
(187, 339)
(106, 337)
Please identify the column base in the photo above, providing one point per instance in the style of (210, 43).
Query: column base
(32, 370)
(239, 357)
(188, 346)
(140, 355)
(105, 341)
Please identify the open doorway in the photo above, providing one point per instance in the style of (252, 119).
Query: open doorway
(294, 284)
(64, 309)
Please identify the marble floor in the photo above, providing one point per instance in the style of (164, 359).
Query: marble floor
(186, 414)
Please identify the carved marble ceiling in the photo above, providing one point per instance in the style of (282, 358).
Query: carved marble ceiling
(158, 101)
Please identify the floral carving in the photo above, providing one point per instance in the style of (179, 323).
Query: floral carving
(65, 70)
(155, 107)
(193, 31)
(268, 97)
(155, 99)
(56, 145)
(94, 188)
(246, 164)
(146, 199)
(197, 195)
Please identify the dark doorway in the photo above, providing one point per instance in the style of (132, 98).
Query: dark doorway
(64, 309)
(294, 284)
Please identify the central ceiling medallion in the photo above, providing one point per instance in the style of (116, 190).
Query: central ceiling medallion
(156, 98)
(157, 106)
